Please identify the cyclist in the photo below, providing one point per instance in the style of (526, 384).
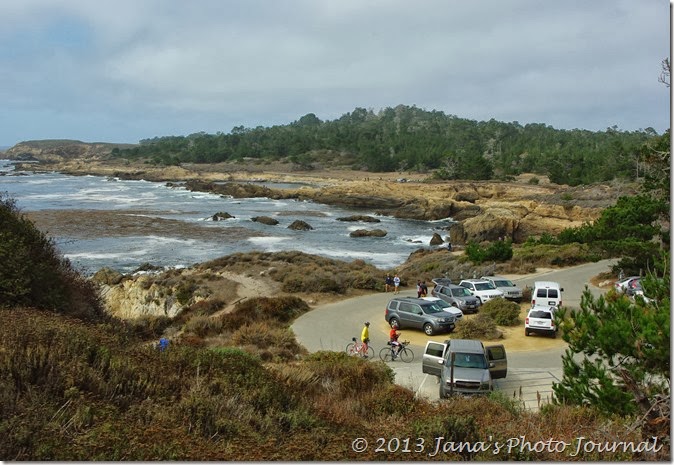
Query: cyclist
(393, 336)
(365, 338)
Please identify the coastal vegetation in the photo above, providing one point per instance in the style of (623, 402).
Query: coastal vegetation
(79, 384)
(407, 138)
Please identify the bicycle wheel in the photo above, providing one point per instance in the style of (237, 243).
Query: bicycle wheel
(370, 352)
(351, 349)
(406, 355)
(385, 354)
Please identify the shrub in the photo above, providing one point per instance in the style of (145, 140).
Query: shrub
(498, 251)
(480, 327)
(502, 311)
(32, 272)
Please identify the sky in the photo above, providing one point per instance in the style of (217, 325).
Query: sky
(126, 70)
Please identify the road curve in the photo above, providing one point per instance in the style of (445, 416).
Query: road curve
(530, 373)
(331, 326)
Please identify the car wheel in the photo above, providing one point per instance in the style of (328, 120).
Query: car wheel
(428, 329)
(394, 323)
(526, 332)
(442, 392)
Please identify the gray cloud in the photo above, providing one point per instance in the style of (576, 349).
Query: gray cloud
(127, 70)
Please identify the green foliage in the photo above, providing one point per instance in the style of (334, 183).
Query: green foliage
(625, 350)
(33, 273)
(481, 327)
(404, 138)
(498, 251)
(502, 311)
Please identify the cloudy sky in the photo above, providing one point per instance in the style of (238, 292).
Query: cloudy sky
(121, 71)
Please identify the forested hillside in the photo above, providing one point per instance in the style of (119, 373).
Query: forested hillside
(409, 138)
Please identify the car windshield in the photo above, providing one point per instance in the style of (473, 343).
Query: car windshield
(461, 292)
(463, 360)
(431, 308)
(441, 303)
(503, 283)
(483, 286)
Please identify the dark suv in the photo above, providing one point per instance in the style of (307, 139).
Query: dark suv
(457, 296)
(408, 312)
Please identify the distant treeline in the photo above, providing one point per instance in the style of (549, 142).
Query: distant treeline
(408, 138)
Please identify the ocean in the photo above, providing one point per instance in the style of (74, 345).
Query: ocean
(101, 222)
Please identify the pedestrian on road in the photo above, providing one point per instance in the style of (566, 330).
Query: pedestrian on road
(419, 289)
(388, 282)
(424, 289)
(396, 284)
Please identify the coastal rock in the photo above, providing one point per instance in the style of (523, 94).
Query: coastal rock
(221, 216)
(265, 220)
(107, 276)
(436, 239)
(299, 225)
(368, 233)
(363, 218)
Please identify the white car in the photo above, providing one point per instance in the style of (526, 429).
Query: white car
(483, 290)
(510, 290)
(458, 314)
(541, 320)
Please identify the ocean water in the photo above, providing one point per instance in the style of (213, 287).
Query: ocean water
(188, 235)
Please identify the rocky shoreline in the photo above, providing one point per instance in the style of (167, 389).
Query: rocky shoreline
(484, 210)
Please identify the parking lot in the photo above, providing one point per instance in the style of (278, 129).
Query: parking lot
(532, 386)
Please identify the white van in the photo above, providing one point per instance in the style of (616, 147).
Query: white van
(547, 293)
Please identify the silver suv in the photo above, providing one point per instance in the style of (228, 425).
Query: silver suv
(408, 312)
(454, 295)
(464, 366)
(510, 290)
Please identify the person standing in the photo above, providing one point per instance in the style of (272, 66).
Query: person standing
(388, 282)
(396, 284)
(365, 338)
(419, 289)
(424, 289)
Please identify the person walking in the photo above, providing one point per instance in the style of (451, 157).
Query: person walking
(419, 289)
(396, 284)
(424, 289)
(365, 338)
(388, 282)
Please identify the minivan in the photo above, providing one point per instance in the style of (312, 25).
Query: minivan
(547, 293)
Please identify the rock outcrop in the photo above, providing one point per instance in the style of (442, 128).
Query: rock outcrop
(299, 225)
(368, 233)
(265, 220)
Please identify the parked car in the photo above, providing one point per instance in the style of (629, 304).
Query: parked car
(410, 312)
(510, 290)
(456, 296)
(458, 314)
(483, 290)
(541, 320)
(547, 293)
(623, 285)
(464, 366)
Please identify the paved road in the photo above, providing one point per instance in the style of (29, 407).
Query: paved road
(530, 374)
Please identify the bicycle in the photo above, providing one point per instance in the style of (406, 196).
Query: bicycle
(355, 347)
(388, 354)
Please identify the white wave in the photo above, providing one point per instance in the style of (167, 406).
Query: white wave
(267, 241)
(104, 256)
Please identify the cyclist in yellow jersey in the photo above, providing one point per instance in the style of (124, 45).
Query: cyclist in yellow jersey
(365, 337)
